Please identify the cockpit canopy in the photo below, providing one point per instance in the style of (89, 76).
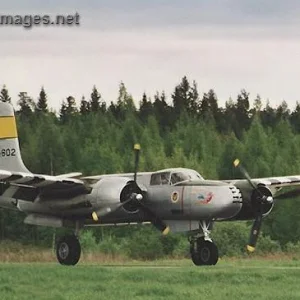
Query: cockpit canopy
(174, 176)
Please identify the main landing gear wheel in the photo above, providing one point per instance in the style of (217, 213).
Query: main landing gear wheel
(204, 253)
(68, 250)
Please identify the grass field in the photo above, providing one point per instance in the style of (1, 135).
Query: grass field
(234, 279)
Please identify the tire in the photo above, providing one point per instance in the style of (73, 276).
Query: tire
(68, 250)
(205, 254)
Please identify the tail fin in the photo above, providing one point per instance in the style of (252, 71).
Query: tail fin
(10, 155)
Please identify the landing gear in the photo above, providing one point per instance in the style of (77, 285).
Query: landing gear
(204, 253)
(68, 250)
(203, 250)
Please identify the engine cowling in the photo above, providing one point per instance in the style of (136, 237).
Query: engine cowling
(128, 190)
(250, 204)
(113, 190)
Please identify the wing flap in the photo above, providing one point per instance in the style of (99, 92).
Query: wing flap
(50, 186)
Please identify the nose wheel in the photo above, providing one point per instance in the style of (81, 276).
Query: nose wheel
(68, 250)
(204, 252)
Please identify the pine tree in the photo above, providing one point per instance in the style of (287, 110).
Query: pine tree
(146, 108)
(242, 113)
(85, 107)
(295, 118)
(258, 156)
(283, 111)
(162, 111)
(124, 103)
(27, 105)
(257, 104)
(194, 101)
(181, 97)
(63, 112)
(95, 100)
(268, 116)
(71, 105)
(51, 153)
(4, 96)
(209, 106)
(42, 105)
(68, 110)
(186, 98)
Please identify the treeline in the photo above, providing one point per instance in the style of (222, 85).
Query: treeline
(185, 129)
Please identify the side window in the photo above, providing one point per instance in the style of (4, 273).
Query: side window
(165, 178)
(174, 178)
(155, 179)
(160, 178)
(179, 177)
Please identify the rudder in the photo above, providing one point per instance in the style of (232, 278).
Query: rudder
(10, 155)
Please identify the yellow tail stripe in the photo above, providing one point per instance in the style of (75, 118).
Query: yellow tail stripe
(8, 127)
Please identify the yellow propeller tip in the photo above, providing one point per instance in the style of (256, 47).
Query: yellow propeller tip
(236, 162)
(166, 230)
(137, 147)
(95, 216)
(250, 248)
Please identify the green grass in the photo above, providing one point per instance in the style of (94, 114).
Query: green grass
(240, 279)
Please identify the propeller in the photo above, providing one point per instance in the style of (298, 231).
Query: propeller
(135, 196)
(107, 210)
(136, 148)
(155, 220)
(261, 196)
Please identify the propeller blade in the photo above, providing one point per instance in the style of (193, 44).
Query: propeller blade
(255, 232)
(262, 199)
(155, 220)
(107, 210)
(137, 148)
(100, 213)
(238, 165)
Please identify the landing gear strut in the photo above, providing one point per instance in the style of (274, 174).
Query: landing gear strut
(202, 248)
(68, 250)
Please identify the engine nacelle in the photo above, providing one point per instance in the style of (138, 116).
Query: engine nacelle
(251, 205)
(113, 190)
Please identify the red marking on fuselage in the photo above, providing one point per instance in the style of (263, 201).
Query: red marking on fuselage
(207, 199)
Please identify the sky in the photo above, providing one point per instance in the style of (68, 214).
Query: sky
(226, 45)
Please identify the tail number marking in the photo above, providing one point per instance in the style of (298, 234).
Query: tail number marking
(7, 152)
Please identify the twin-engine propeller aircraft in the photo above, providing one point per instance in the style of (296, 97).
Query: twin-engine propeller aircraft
(175, 199)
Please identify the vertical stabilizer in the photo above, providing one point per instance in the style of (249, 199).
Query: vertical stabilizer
(10, 155)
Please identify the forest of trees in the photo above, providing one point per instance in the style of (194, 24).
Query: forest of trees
(184, 129)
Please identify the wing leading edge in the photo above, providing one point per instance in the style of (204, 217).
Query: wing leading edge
(276, 182)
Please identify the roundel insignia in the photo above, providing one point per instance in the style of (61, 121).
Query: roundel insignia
(175, 197)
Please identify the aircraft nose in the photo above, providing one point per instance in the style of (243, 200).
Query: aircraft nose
(236, 194)
(232, 203)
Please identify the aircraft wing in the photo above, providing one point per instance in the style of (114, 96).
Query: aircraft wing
(287, 185)
(130, 175)
(50, 186)
(276, 182)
